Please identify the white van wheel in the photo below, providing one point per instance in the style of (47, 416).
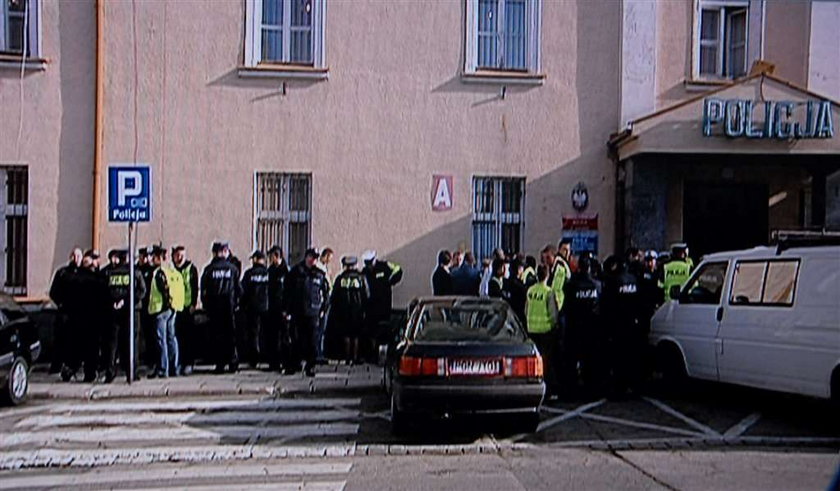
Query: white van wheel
(671, 365)
(835, 386)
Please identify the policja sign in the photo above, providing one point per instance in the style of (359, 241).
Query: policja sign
(130, 201)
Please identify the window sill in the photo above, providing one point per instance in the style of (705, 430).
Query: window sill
(706, 84)
(284, 72)
(502, 78)
(30, 64)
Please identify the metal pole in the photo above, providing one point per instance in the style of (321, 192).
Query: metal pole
(131, 312)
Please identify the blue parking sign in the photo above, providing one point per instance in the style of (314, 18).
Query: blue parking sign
(129, 193)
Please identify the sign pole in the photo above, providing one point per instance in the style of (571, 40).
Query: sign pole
(131, 313)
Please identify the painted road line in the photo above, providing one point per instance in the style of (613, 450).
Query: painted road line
(637, 424)
(555, 410)
(744, 425)
(85, 458)
(210, 434)
(199, 405)
(190, 418)
(685, 419)
(569, 415)
(162, 474)
(21, 411)
(283, 486)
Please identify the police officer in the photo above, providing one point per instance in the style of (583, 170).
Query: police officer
(166, 299)
(349, 299)
(620, 305)
(90, 302)
(529, 274)
(381, 276)
(323, 264)
(150, 352)
(541, 314)
(516, 291)
(255, 283)
(60, 295)
(307, 295)
(677, 270)
(220, 292)
(277, 344)
(184, 320)
(117, 337)
(584, 331)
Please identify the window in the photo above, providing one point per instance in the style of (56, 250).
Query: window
(497, 214)
(14, 197)
(706, 285)
(19, 27)
(764, 283)
(282, 205)
(722, 44)
(284, 32)
(503, 35)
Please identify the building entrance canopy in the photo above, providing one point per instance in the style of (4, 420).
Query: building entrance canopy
(760, 114)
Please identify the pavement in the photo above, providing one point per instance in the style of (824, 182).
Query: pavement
(256, 430)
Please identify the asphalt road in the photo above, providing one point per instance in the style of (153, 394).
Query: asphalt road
(258, 430)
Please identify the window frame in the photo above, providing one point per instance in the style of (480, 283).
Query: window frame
(286, 215)
(684, 297)
(725, 9)
(14, 210)
(766, 262)
(33, 30)
(533, 35)
(253, 36)
(497, 217)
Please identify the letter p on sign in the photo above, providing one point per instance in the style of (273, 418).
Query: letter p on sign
(441, 193)
(129, 185)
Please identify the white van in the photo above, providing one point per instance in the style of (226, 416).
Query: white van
(767, 317)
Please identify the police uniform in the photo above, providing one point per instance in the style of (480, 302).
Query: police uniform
(150, 351)
(541, 315)
(676, 272)
(584, 336)
(188, 342)
(621, 307)
(277, 343)
(90, 311)
(306, 295)
(255, 301)
(119, 281)
(64, 330)
(220, 292)
(166, 299)
(349, 299)
(381, 277)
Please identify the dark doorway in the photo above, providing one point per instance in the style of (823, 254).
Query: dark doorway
(722, 217)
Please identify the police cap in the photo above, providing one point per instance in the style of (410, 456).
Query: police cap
(368, 256)
(311, 252)
(349, 260)
(275, 250)
(158, 250)
(258, 254)
(92, 253)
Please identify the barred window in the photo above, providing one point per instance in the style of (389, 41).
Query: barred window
(498, 217)
(283, 204)
(14, 198)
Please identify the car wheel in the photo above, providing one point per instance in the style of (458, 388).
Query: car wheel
(835, 387)
(530, 422)
(399, 425)
(17, 382)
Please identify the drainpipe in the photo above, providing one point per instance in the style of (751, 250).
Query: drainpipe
(99, 123)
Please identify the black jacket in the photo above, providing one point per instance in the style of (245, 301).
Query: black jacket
(255, 289)
(381, 278)
(118, 284)
(220, 286)
(349, 297)
(621, 304)
(517, 296)
(90, 299)
(582, 302)
(306, 291)
(276, 283)
(60, 288)
(442, 282)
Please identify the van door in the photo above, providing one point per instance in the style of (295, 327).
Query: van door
(695, 319)
(760, 342)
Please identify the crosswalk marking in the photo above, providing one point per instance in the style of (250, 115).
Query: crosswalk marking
(160, 475)
(286, 486)
(205, 405)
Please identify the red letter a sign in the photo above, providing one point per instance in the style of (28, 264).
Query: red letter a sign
(441, 193)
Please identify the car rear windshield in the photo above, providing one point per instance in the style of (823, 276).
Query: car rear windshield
(467, 323)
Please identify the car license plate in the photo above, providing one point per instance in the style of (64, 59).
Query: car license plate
(479, 367)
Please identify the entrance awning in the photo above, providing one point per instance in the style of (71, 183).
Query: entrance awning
(759, 114)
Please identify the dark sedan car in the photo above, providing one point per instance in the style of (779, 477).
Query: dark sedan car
(19, 347)
(463, 355)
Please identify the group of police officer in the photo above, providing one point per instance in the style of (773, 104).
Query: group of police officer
(589, 320)
(271, 313)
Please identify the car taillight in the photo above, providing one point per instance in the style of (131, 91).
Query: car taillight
(415, 366)
(524, 366)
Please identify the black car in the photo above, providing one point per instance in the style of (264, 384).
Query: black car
(19, 347)
(463, 355)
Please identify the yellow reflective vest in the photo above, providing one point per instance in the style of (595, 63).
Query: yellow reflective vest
(175, 282)
(540, 309)
(677, 272)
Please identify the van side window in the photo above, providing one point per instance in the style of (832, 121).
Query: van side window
(706, 285)
(764, 283)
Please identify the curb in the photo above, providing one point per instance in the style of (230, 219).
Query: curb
(104, 392)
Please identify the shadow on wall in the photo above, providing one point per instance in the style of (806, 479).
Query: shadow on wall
(543, 198)
(75, 157)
